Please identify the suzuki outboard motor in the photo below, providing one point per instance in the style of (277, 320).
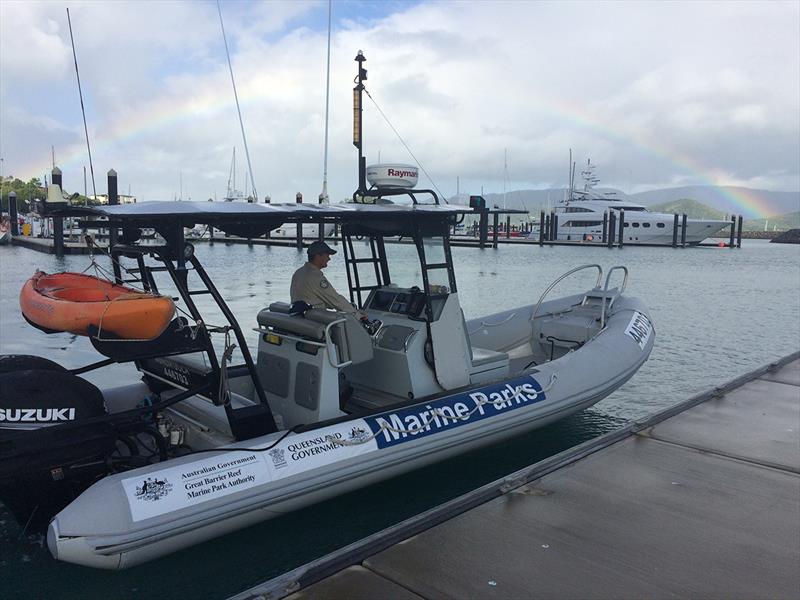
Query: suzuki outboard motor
(50, 449)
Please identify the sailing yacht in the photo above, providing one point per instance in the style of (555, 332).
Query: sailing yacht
(231, 193)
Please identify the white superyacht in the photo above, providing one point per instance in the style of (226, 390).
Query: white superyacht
(581, 214)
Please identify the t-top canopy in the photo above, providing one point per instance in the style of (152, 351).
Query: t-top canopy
(253, 220)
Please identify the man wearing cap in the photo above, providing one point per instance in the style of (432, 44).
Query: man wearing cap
(311, 286)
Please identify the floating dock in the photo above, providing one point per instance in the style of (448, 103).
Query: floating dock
(700, 500)
(47, 245)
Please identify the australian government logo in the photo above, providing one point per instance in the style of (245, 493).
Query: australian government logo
(358, 434)
(454, 411)
(153, 489)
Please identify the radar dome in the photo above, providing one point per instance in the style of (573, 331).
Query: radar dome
(392, 176)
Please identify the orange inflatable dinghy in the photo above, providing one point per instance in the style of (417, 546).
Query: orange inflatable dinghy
(74, 301)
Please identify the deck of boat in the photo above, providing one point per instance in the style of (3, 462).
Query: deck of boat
(701, 500)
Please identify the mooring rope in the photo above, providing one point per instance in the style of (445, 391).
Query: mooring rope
(103, 273)
(224, 392)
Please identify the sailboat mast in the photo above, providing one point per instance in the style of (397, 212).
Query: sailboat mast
(324, 195)
(231, 176)
(571, 176)
(236, 97)
(505, 175)
(83, 110)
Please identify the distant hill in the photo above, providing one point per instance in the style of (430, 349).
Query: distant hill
(691, 208)
(750, 203)
(781, 223)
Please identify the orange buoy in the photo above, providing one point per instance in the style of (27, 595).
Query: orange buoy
(721, 245)
(73, 301)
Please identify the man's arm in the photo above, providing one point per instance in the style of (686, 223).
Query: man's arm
(334, 299)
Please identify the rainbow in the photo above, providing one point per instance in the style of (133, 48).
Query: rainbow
(155, 117)
(166, 112)
(744, 201)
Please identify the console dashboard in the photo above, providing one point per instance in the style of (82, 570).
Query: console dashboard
(404, 301)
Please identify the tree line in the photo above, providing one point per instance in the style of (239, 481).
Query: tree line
(28, 191)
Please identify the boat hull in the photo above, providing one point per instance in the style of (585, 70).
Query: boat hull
(162, 508)
(74, 302)
(656, 233)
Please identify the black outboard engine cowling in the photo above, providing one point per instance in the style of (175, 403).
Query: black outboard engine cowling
(49, 453)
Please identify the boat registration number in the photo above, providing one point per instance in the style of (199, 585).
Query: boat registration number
(640, 328)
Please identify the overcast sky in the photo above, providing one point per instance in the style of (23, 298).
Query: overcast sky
(657, 94)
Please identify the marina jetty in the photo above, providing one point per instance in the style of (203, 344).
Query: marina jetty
(700, 500)
(491, 227)
(789, 237)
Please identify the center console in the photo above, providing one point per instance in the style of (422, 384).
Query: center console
(409, 302)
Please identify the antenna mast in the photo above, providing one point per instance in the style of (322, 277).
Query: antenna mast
(324, 194)
(358, 119)
(83, 111)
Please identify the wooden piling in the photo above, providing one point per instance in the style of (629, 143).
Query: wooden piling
(299, 234)
(675, 231)
(612, 227)
(739, 232)
(12, 213)
(683, 230)
(113, 200)
(733, 231)
(58, 222)
(484, 228)
(542, 228)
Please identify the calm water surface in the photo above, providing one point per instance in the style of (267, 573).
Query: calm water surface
(717, 313)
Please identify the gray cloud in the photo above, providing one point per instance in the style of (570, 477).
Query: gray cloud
(655, 93)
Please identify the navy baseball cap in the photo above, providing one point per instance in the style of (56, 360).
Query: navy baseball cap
(319, 247)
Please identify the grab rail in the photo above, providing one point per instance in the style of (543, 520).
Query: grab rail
(327, 344)
(624, 279)
(564, 276)
(344, 344)
(618, 294)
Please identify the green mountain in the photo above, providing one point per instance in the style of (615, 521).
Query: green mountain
(779, 223)
(696, 210)
(691, 208)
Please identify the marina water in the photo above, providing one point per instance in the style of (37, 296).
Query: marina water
(717, 313)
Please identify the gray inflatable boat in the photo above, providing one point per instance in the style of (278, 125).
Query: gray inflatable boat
(203, 447)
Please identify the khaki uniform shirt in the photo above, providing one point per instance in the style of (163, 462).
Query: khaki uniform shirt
(311, 286)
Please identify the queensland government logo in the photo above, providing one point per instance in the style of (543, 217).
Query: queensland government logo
(153, 489)
(278, 460)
